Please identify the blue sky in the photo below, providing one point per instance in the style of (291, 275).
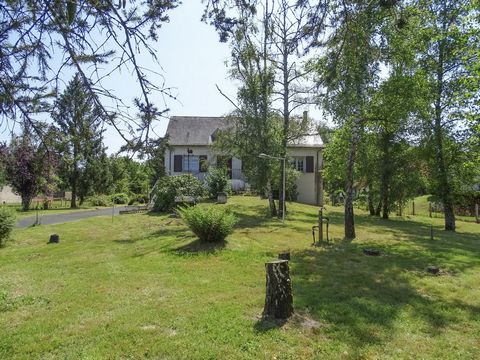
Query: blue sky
(192, 61)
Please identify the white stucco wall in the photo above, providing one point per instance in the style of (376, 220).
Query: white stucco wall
(306, 187)
(7, 196)
(197, 151)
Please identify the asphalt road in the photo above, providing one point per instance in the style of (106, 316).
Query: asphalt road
(70, 216)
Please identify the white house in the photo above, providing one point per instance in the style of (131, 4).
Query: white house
(190, 140)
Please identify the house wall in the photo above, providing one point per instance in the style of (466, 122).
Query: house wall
(197, 151)
(7, 196)
(309, 185)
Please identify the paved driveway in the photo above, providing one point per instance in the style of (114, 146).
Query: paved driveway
(70, 216)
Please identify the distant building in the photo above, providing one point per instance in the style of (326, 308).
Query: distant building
(190, 140)
(7, 196)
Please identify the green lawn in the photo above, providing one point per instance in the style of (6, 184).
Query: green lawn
(57, 207)
(142, 287)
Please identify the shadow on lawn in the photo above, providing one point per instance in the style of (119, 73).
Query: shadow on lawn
(198, 247)
(360, 298)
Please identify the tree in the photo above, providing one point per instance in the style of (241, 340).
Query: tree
(96, 38)
(450, 57)
(286, 32)
(276, 35)
(26, 167)
(349, 71)
(80, 126)
(255, 127)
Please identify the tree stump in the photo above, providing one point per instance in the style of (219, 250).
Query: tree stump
(371, 252)
(54, 239)
(284, 256)
(434, 270)
(278, 297)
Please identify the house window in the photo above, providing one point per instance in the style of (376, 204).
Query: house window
(298, 163)
(191, 163)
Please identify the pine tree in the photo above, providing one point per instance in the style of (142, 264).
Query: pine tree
(79, 123)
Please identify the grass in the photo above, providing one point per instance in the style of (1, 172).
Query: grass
(143, 287)
(57, 207)
(422, 209)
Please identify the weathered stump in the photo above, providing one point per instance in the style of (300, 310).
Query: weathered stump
(222, 198)
(284, 256)
(54, 239)
(278, 297)
(371, 252)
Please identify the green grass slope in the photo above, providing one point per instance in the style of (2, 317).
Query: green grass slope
(143, 287)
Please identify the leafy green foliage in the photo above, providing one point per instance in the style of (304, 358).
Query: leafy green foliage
(217, 181)
(120, 198)
(170, 187)
(7, 222)
(100, 200)
(292, 175)
(81, 134)
(210, 223)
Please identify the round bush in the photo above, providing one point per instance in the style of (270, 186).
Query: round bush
(171, 186)
(209, 223)
(120, 198)
(99, 200)
(217, 181)
(7, 222)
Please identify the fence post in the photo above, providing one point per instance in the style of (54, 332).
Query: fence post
(477, 216)
(413, 207)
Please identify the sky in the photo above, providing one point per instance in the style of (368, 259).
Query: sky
(192, 61)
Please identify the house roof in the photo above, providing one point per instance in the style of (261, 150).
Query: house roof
(193, 130)
(199, 130)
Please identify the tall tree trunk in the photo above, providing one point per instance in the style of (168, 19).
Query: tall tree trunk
(74, 183)
(26, 200)
(386, 175)
(371, 208)
(271, 201)
(349, 215)
(444, 183)
(378, 209)
(286, 116)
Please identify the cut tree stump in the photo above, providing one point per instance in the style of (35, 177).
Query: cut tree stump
(54, 239)
(371, 252)
(278, 297)
(435, 270)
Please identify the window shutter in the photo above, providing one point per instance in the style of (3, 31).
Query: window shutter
(309, 164)
(177, 163)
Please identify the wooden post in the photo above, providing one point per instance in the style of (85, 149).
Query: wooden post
(431, 232)
(320, 225)
(477, 213)
(430, 209)
(413, 207)
(278, 297)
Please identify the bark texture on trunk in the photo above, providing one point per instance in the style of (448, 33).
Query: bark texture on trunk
(26, 200)
(278, 297)
(444, 183)
(271, 201)
(349, 215)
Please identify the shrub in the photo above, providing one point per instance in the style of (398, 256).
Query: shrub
(7, 222)
(209, 223)
(99, 200)
(169, 187)
(217, 181)
(120, 198)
